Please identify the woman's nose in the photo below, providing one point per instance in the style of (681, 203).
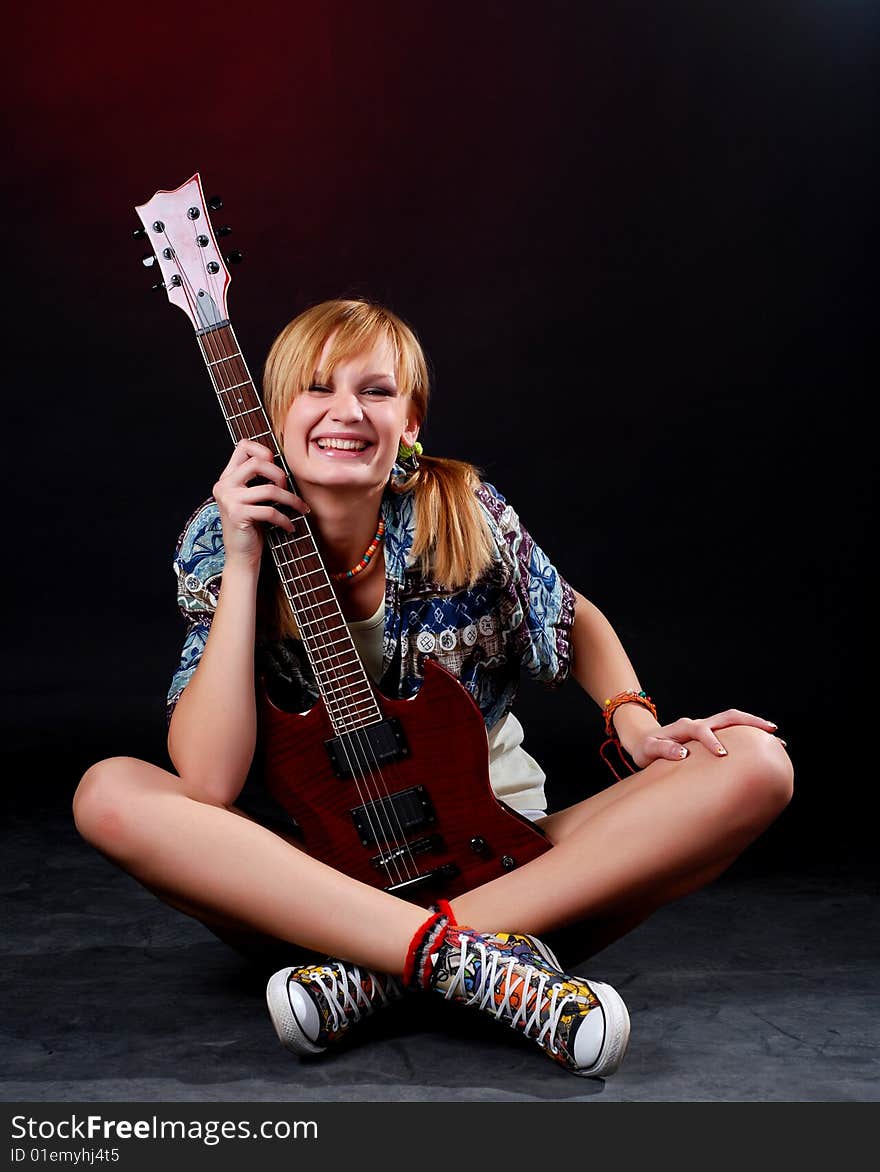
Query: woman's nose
(347, 409)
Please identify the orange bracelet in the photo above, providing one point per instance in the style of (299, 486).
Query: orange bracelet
(627, 697)
(610, 707)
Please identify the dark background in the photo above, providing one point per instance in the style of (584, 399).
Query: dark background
(634, 241)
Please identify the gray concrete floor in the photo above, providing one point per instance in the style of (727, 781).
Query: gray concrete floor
(761, 988)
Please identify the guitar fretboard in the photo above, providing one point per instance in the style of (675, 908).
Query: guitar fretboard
(339, 673)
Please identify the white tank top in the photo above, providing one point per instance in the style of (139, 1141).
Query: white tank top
(516, 778)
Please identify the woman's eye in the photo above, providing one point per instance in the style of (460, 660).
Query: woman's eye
(318, 387)
(377, 391)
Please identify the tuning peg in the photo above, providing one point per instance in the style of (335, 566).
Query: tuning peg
(160, 285)
(224, 231)
(234, 258)
(148, 260)
(215, 203)
(139, 233)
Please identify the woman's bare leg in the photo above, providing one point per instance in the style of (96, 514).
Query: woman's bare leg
(616, 857)
(643, 842)
(226, 869)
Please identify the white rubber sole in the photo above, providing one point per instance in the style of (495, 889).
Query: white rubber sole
(284, 1019)
(617, 1028)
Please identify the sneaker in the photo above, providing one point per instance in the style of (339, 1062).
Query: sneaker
(582, 1025)
(312, 1006)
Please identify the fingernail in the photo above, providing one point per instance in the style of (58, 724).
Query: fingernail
(721, 751)
(683, 753)
(782, 742)
(772, 725)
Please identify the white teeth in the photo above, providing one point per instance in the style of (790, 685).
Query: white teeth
(343, 445)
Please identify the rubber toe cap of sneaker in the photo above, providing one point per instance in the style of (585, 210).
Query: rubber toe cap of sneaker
(294, 1014)
(304, 1010)
(603, 1035)
(589, 1039)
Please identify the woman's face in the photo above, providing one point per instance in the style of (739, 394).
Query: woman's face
(345, 429)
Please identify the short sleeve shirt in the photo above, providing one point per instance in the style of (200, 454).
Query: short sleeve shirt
(516, 617)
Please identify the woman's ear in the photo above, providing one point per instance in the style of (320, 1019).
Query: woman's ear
(410, 432)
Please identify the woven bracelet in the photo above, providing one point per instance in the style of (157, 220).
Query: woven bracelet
(610, 707)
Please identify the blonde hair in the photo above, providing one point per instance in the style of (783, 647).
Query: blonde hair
(452, 542)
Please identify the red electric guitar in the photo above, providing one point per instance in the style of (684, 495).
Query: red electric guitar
(395, 793)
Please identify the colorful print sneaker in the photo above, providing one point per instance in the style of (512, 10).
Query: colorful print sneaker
(311, 1007)
(582, 1025)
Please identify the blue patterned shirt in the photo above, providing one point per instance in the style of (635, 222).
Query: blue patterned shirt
(517, 616)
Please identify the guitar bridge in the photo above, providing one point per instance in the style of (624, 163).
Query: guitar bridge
(440, 874)
(420, 846)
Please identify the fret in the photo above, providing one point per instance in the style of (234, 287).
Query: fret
(313, 605)
(354, 665)
(352, 721)
(350, 700)
(319, 643)
(329, 630)
(225, 390)
(350, 724)
(225, 358)
(308, 573)
(260, 434)
(366, 724)
(358, 716)
(248, 411)
(297, 557)
(300, 558)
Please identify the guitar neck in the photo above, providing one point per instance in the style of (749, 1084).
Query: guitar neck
(339, 672)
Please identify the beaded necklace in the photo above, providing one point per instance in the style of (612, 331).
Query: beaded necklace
(366, 559)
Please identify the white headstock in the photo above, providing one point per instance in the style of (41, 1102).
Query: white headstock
(179, 230)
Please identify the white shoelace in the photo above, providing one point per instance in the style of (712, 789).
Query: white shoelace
(340, 1005)
(485, 990)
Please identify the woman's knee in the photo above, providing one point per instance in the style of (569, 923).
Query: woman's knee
(102, 802)
(757, 775)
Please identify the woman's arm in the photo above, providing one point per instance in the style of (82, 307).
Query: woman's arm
(602, 668)
(213, 730)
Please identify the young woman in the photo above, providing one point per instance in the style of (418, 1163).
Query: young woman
(426, 561)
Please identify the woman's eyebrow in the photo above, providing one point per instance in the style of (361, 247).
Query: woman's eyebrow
(364, 378)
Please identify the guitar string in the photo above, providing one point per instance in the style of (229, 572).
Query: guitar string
(381, 809)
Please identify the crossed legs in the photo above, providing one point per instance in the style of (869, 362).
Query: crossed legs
(617, 856)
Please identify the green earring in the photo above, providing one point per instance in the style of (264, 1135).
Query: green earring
(407, 453)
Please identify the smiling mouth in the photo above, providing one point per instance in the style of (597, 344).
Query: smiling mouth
(339, 445)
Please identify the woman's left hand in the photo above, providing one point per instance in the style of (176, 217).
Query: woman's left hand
(667, 742)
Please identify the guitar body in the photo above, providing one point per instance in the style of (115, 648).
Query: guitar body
(467, 838)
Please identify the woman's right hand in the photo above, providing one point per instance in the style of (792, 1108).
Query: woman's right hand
(243, 506)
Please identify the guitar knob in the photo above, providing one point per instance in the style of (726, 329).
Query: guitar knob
(508, 862)
(215, 203)
(479, 845)
(234, 258)
(139, 233)
(224, 231)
